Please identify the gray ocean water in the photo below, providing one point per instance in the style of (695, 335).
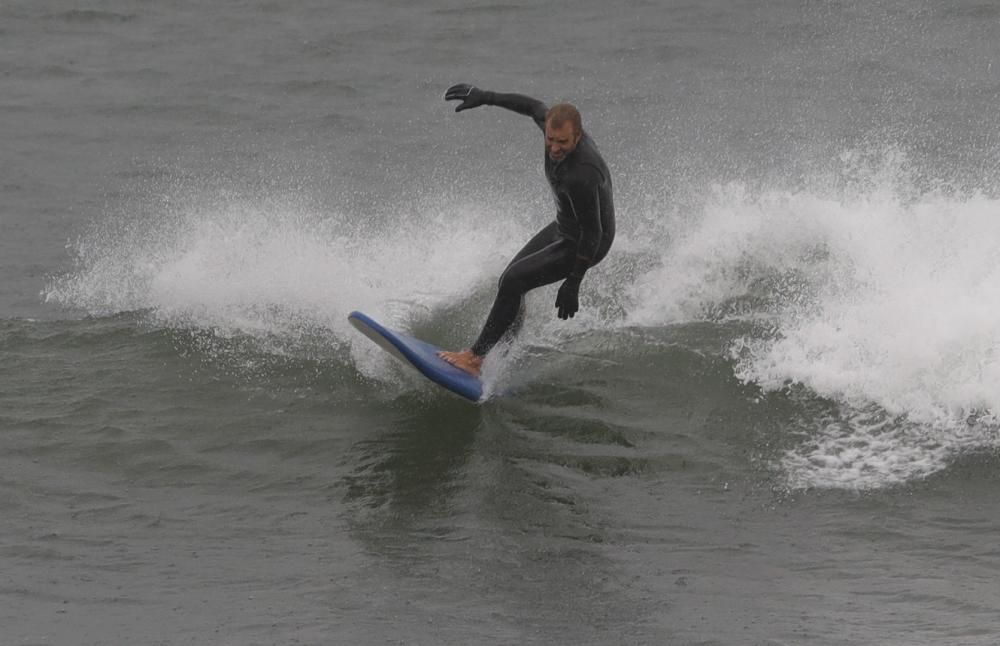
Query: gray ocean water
(772, 423)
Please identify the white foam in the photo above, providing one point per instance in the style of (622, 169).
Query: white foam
(274, 268)
(878, 297)
(912, 326)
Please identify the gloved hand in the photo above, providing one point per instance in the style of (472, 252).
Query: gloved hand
(568, 298)
(469, 95)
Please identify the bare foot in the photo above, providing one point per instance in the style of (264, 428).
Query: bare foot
(466, 360)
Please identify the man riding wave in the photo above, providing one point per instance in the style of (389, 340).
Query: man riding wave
(566, 248)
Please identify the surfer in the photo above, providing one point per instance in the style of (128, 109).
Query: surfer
(565, 249)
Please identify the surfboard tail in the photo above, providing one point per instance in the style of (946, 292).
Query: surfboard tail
(420, 355)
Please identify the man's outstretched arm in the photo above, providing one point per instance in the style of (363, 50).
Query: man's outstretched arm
(473, 97)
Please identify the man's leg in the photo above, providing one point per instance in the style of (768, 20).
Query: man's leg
(542, 239)
(528, 266)
(549, 264)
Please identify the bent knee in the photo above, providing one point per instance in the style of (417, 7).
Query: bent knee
(511, 285)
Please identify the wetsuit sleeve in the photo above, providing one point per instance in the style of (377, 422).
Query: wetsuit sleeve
(520, 104)
(585, 199)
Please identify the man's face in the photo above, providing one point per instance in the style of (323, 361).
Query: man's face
(560, 141)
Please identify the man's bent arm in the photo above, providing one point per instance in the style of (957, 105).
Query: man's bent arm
(586, 203)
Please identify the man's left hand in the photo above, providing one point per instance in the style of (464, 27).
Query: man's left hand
(568, 298)
(469, 95)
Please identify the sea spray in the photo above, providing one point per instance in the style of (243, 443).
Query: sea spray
(275, 269)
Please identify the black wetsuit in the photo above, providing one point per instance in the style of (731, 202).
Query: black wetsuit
(579, 238)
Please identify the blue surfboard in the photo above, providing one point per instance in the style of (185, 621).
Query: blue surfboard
(420, 355)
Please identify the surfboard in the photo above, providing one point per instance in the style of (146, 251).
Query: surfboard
(420, 355)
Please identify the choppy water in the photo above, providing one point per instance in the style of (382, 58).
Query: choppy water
(773, 421)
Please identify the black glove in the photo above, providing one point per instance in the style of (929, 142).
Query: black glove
(568, 298)
(469, 95)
